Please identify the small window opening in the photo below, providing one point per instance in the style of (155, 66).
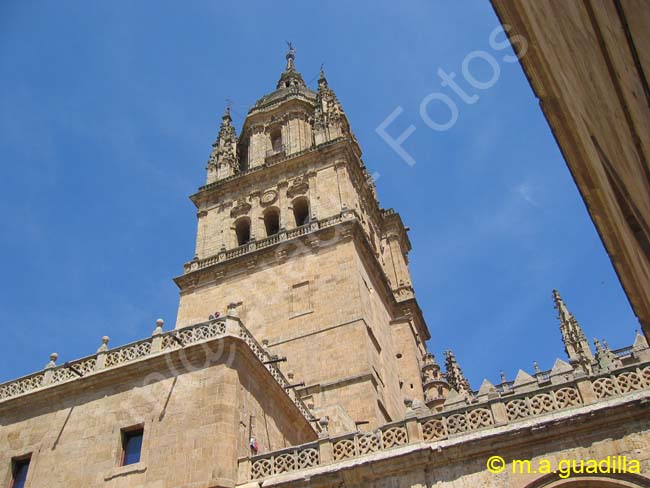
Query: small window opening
(272, 221)
(301, 211)
(131, 445)
(243, 157)
(19, 469)
(243, 231)
(276, 140)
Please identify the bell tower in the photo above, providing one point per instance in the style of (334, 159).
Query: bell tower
(291, 232)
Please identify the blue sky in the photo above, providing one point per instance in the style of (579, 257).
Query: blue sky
(108, 111)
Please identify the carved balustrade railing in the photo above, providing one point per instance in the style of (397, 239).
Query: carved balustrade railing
(328, 450)
(443, 425)
(284, 235)
(540, 402)
(265, 358)
(159, 342)
(622, 381)
(359, 443)
(285, 460)
(507, 408)
(109, 358)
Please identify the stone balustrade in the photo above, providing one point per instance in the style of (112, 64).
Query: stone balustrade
(160, 342)
(282, 236)
(487, 413)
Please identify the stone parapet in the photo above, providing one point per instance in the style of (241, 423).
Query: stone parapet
(495, 414)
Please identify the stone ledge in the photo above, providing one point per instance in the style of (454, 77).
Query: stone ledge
(134, 468)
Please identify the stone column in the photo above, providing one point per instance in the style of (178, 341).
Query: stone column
(499, 413)
(156, 341)
(413, 427)
(232, 321)
(283, 204)
(101, 354)
(257, 220)
(325, 452)
(47, 377)
(586, 389)
(314, 204)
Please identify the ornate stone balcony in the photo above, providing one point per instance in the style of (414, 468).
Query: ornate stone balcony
(499, 410)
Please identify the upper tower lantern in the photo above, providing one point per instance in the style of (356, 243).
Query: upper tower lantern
(291, 233)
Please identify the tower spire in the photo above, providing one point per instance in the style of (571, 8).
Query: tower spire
(455, 376)
(291, 57)
(575, 343)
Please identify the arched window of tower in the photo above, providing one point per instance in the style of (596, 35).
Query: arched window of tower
(243, 230)
(272, 221)
(301, 211)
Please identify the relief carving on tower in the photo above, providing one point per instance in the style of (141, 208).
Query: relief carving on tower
(240, 207)
(298, 186)
(268, 197)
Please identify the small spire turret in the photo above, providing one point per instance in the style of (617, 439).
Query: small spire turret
(575, 343)
(435, 386)
(455, 376)
(223, 158)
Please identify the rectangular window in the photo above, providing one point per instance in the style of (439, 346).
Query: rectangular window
(19, 469)
(131, 445)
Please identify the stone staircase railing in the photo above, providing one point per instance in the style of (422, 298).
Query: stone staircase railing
(501, 410)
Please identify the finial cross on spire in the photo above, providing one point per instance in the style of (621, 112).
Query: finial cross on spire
(291, 56)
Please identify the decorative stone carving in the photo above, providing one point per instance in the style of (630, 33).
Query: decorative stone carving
(299, 186)
(268, 197)
(241, 207)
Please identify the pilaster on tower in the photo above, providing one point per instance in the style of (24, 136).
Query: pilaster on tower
(223, 160)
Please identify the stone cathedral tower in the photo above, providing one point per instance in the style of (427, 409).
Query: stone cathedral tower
(290, 230)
